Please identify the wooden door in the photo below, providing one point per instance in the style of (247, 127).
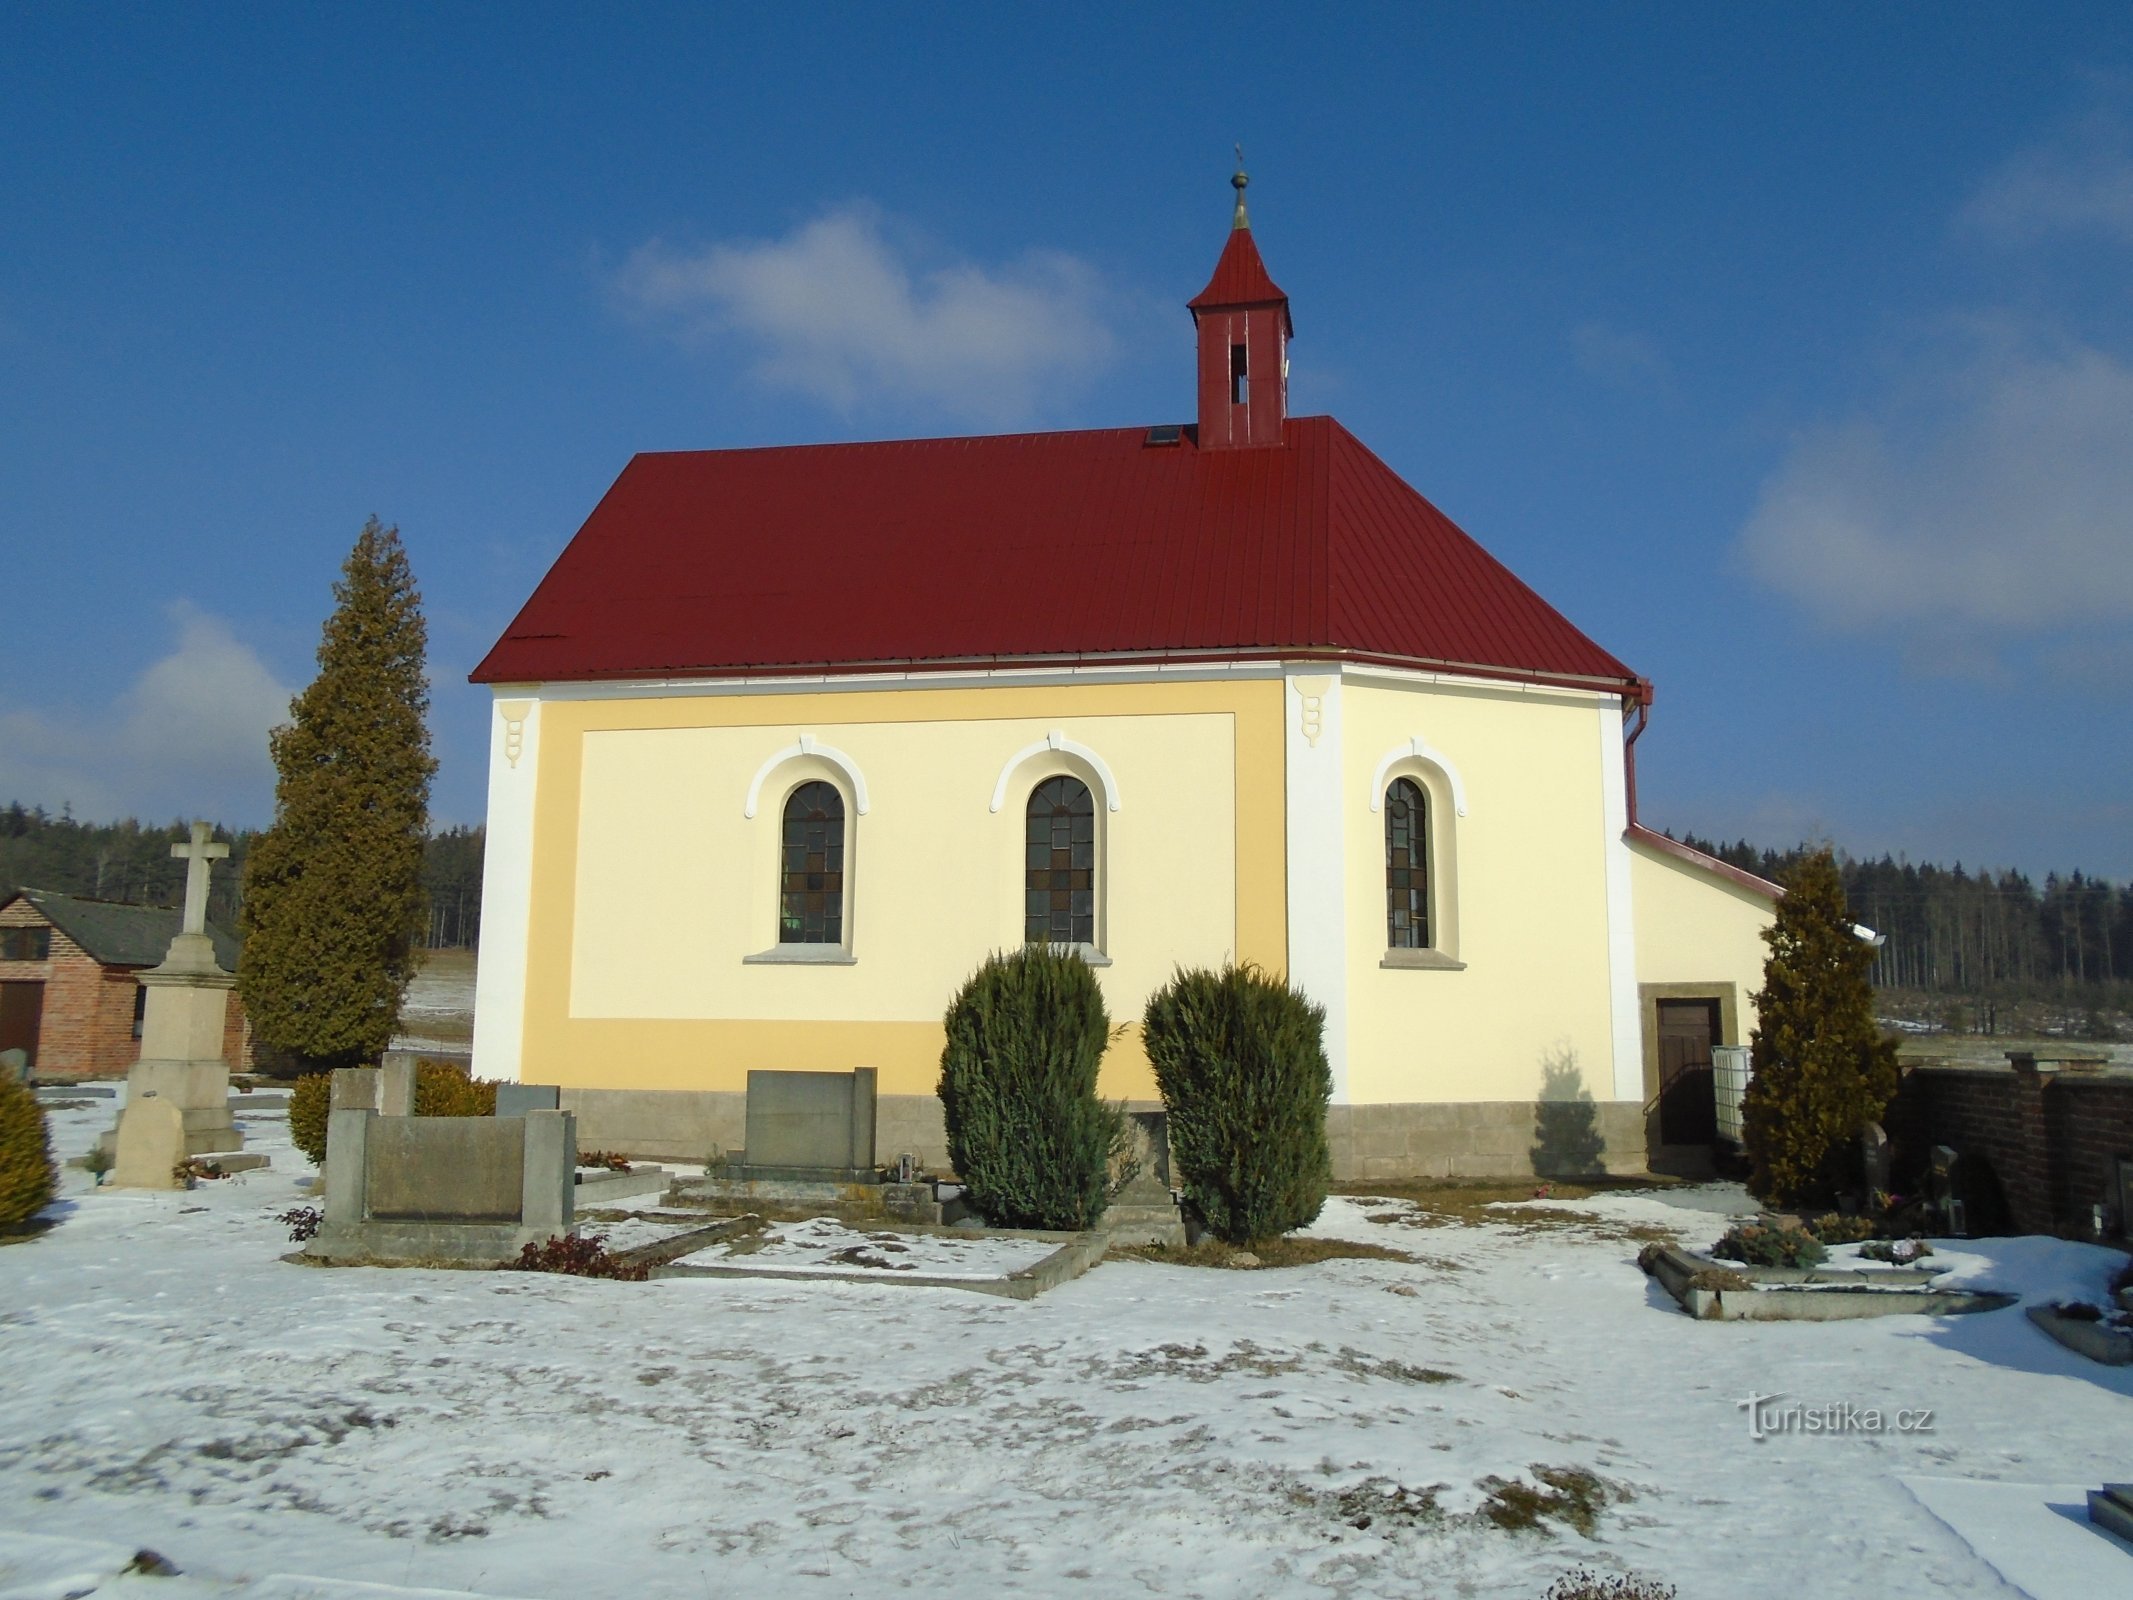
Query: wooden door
(1688, 1100)
(21, 1011)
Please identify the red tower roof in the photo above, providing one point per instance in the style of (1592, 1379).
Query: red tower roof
(1057, 547)
(1241, 279)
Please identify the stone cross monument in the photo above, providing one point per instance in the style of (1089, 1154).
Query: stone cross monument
(181, 1064)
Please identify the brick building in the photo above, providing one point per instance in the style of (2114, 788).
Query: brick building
(69, 994)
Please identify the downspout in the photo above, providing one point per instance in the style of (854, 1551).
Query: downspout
(1641, 698)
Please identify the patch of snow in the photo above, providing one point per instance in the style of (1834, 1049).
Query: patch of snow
(1146, 1428)
(826, 1245)
(2035, 1535)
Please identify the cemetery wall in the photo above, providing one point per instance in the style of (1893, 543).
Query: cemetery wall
(2053, 1137)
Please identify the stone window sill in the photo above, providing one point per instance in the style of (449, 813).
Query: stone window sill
(1089, 954)
(802, 955)
(1423, 961)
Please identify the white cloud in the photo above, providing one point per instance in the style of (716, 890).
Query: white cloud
(188, 737)
(1994, 493)
(2078, 182)
(839, 311)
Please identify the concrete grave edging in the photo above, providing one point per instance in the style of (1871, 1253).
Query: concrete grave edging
(1803, 1301)
(1077, 1253)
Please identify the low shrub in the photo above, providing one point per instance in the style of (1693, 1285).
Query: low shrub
(1762, 1246)
(28, 1179)
(607, 1160)
(1835, 1229)
(444, 1089)
(1241, 1061)
(575, 1257)
(1027, 1134)
(310, 1099)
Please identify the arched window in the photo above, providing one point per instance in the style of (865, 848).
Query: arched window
(811, 876)
(1059, 900)
(1406, 866)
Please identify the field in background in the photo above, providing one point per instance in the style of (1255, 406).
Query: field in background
(438, 1013)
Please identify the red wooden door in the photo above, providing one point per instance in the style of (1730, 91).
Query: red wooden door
(1688, 1101)
(21, 1011)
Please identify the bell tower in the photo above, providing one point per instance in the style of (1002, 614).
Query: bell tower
(1244, 327)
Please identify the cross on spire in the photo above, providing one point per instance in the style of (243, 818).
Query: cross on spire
(196, 855)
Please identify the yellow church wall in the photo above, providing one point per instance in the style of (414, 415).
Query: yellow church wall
(1520, 894)
(650, 885)
(1699, 933)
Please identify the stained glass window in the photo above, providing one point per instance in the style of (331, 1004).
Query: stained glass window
(1406, 866)
(811, 875)
(1059, 899)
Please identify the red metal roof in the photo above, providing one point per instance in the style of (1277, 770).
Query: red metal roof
(1047, 547)
(1241, 279)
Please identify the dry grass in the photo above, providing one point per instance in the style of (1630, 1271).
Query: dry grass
(1283, 1252)
(1448, 1202)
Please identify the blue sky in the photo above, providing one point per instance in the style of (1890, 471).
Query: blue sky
(1788, 349)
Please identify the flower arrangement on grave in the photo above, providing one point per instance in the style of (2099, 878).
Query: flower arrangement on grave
(1761, 1245)
(1835, 1229)
(577, 1256)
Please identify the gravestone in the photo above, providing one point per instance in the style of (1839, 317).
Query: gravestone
(469, 1190)
(352, 1089)
(14, 1066)
(1874, 1158)
(182, 1020)
(151, 1145)
(516, 1099)
(396, 1086)
(810, 1125)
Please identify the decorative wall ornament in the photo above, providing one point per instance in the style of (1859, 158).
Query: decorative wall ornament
(1056, 740)
(1312, 693)
(1417, 750)
(514, 713)
(808, 745)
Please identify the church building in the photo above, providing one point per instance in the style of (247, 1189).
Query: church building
(788, 740)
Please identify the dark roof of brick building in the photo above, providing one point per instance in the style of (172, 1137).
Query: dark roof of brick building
(120, 935)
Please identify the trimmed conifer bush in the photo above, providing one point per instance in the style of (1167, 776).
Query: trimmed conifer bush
(310, 1099)
(441, 1090)
(1241, 1060)
(1822, 1071)
(27, 1176)
(1027, 1135)
(444, 1090)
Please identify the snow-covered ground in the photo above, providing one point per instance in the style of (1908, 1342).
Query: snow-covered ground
(827, 1246)
(167, 1381)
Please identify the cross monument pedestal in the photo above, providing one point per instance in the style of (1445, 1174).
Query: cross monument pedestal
(182, 1064)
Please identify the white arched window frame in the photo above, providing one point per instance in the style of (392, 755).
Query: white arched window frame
(781, 776)
(1021, 775)
(1444, 805)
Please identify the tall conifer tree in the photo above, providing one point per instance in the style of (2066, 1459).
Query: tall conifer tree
(1822, 1071)
(333, 896)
